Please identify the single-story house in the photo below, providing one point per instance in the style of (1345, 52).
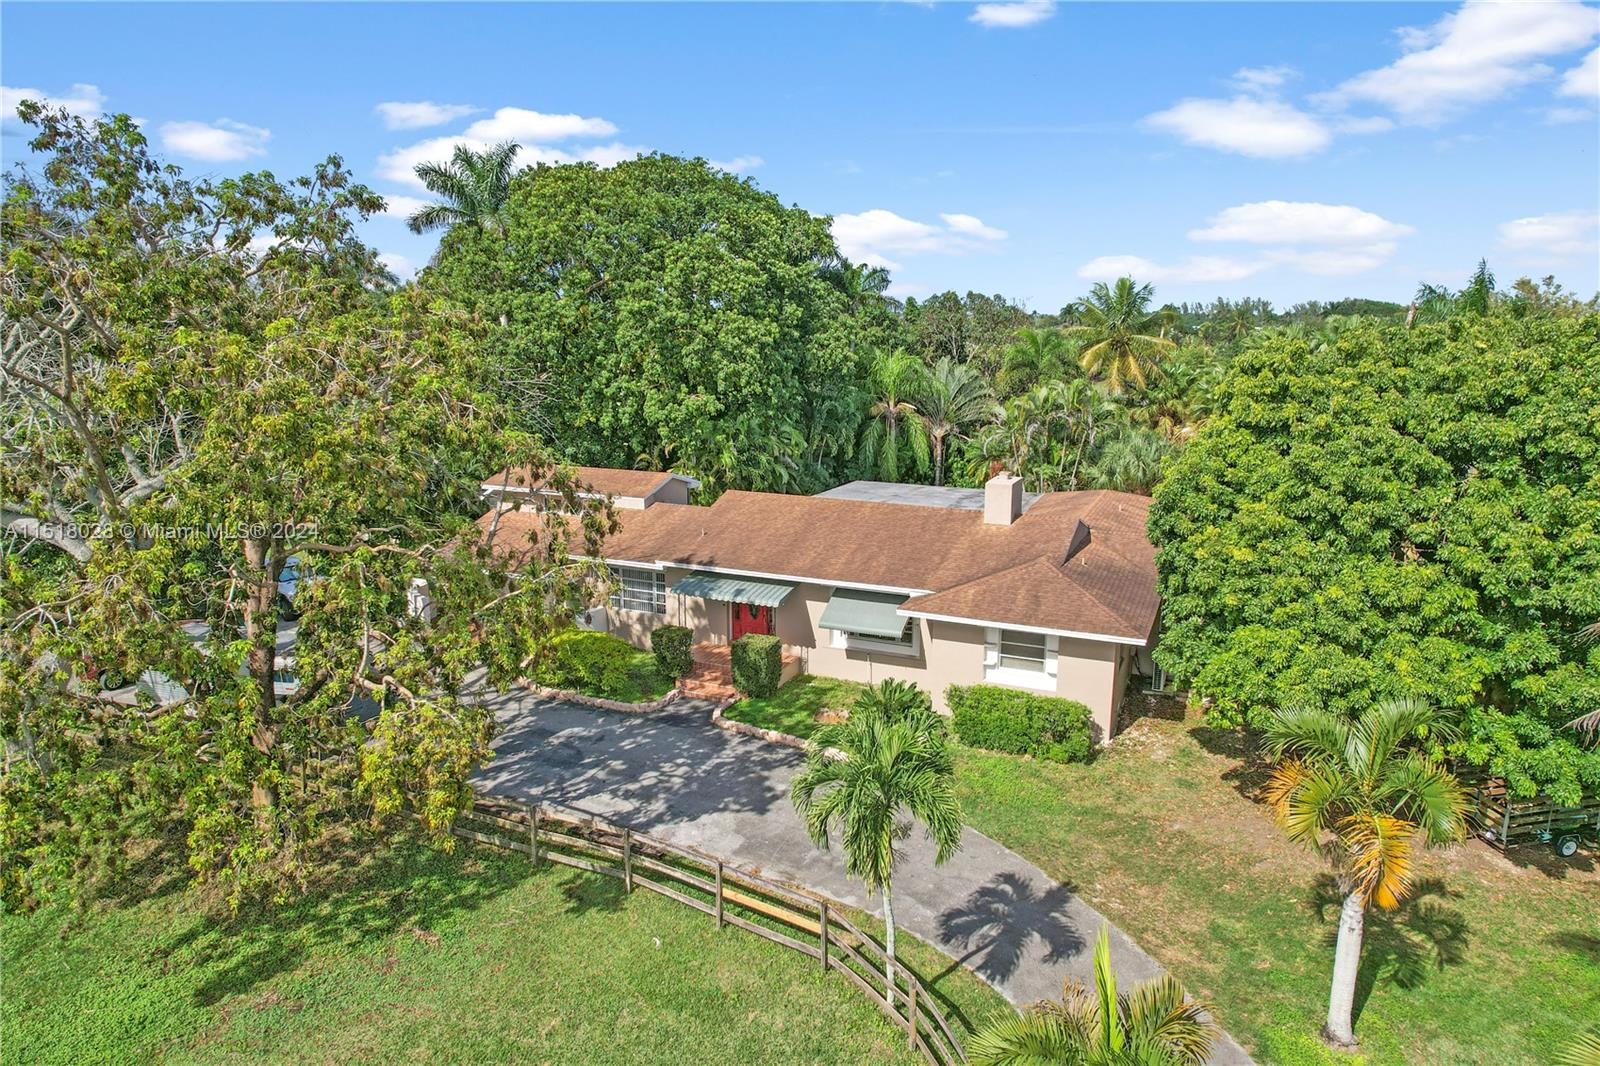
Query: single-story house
(1051, 593)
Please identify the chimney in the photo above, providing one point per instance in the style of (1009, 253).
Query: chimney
(1002, 499)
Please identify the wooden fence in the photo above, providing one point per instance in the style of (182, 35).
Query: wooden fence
(730, 895)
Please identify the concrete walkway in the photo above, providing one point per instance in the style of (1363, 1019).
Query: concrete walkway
(675, 776)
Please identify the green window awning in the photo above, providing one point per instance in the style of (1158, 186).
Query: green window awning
(752, 590)
(872, 614)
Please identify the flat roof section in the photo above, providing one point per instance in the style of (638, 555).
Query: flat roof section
(944, 496)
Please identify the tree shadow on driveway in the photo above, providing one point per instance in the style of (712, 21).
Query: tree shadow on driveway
(998, 921)
(644, 770)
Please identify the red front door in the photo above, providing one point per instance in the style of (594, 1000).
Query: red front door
(748, 618)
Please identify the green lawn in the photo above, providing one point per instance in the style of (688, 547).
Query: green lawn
(793, 708)
(1493, 963)
(418, 956)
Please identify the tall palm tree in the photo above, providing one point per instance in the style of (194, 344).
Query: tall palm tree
(893, 761)
(1154, 1025)
(1361, 793)
(860, 284)
(1035, 357)
(1479, 294)
(472, 185)
(953, 398)
(892, 418)
(1122, 338)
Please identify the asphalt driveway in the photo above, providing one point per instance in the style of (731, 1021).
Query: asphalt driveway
(675, 776)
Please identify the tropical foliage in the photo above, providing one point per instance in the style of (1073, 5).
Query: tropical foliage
(1362, 791)
(472, 188)
(186, 413)
(1121, 338)
(1399, 513)
(1154, 1024)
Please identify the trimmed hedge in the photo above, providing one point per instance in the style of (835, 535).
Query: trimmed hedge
(757, 661)
(589, 661)
(672, 648)
(1021, 723)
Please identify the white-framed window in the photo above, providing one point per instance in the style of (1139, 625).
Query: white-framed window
(639, 590)
(908, 643)
(1020, 659)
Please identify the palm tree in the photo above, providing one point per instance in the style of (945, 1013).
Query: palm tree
(1581, 1050)
(1129, 462)
(1036, 356)
(954, 396)
(1156, 1025)
(893, 379)
(1359, 793)
(473, 185)
(1476, 298)
(860, 284)
(862, 773)
(1122, 338)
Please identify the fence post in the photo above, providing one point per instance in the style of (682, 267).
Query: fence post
(911, 1012)
(719, 894)
(627, 859)
(533, 834)
(824, 930)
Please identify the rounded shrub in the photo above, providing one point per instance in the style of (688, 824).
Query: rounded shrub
(591, 662)
(1020, 723)
(672, 646)
(757, 661)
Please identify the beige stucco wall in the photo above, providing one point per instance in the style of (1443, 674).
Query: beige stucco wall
(708, 619)
(1092, 672)
(1087, 671)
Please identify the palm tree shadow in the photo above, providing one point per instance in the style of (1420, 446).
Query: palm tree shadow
(1402, 947)
(998, 921)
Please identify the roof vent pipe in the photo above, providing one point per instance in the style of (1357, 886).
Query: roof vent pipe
(1002, 499)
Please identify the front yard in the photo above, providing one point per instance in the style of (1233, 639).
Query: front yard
(1493, 962)
(422, 957)
(793, 709)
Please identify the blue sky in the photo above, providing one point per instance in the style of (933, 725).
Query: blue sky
(1290, 151)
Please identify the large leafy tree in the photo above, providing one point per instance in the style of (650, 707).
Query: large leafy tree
(1154, 1024)
(472, 188)
(1037, 356)
(186, 413)
(1121, 338)
(1399, 513)
(660, 312)
(862, 778)
(1361, 793)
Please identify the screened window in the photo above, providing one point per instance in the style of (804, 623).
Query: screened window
(639, 590)
(1022, 651)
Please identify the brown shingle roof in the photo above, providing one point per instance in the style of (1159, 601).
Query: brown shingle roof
(960, 565)
(602, 480)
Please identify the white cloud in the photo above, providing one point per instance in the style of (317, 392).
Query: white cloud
(1264, 128)
(1287, 222)
(1563, 233)
(742, 164)
(1362, 124)
(1471, 55)
(1262, 79)
(1558, 116)
(874, 236)
(421, 113)
(403, 207)
(535, 131)
(1012, 15)
(85, 101)
(535, 127)
(1332, 262)
(222, 141)
(398, 265)
(1581, 80)
(972, 226)
(1194, 269)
